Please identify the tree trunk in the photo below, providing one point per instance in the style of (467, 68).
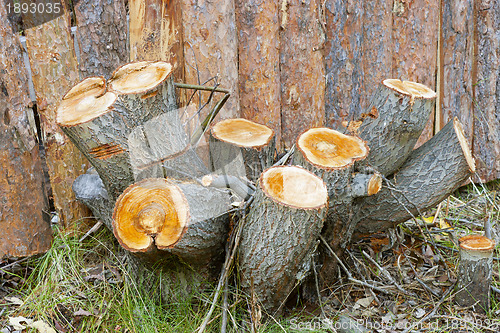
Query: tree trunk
(474, 273)
(429, 175)
(54, 71)
(395, 118)
(239, 147)
(25, 230)
(259, 68)
(102, 36)
(280, 233)
(302, 68)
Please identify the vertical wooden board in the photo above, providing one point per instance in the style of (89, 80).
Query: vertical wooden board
(54, 71)
(25, 232)
(156, 32)
(343, 56)
(377, 41)
(486, 142)
(211, 47)
(302, 69)
(415, 32)
(102, 36)
(259, 68)
(458, 47)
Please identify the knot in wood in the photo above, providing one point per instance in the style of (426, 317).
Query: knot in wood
(150, 219)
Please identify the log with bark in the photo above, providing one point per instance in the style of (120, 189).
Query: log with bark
(187, 220)
(475, 272)
(395, 118)
(280, 233)
(333, 156)
(240, 147)
(431, 173)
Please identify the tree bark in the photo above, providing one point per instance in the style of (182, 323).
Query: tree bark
(54, 71)
(393, 122)
(102, 36)
(259, 68)
(429, 175)
(475, 272)
(487, 91)
(302, 68)
(280, 233)
(458, 59)
(25, 230)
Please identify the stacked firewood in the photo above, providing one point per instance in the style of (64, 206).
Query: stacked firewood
(162, 200)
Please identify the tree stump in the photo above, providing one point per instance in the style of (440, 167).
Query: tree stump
(281, 233)
(474, 272)
(240, 147)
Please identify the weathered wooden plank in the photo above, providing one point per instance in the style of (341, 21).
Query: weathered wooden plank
(54, 71)
(302, 69)
(486, 142)
(210, 47)
(156, 32)
(414, 47)
(259, 71)
(25, 231)
(458, 47)
(343, 52)
(102, 36)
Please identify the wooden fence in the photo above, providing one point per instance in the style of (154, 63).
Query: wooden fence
(290, 64)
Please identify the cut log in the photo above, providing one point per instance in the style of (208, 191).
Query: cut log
(240, 147)
(259, 68)
(102, 36)
(184, 219)
(331, 155)
(430, 174)
(128, 128)
(25, 229)
(474, 272)
(395, 118)
(281, 232)
(54, 71)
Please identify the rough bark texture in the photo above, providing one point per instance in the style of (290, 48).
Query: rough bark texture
(259, 68)
(102, 36)
(395, 124)
(429, 175)
(302, 69)
(343, 50)
(474, 274)
(25, 231)
(276, 248)
(54, 71)
(210, 48)
(487, 91)
(458, 58)
(414, 46)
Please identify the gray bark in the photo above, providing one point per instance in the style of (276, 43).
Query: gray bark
(394, 129)
(430, 174)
